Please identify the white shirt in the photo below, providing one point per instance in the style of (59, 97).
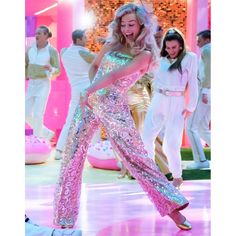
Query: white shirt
(39, 56)
(175, 81)
(76, 67)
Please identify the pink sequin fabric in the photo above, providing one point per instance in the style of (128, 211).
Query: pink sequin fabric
(110, 107)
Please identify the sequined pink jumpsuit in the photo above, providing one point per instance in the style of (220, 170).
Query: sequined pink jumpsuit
(110, 107)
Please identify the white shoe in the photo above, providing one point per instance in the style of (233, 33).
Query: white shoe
(49, 135)
(198, 165)
(67, 232)
(58, 155)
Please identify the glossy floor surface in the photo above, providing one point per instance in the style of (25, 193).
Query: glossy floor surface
(112, 206)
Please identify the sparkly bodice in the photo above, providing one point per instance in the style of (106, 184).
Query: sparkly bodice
(112, 61)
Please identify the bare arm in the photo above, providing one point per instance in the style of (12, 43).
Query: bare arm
(87, 56)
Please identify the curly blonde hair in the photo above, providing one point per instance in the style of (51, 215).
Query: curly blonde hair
(144, 41)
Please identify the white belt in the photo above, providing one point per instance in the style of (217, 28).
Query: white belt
(170, 93)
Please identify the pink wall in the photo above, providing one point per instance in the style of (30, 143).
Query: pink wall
(64, 29)
(43, 20)
(198, 19)
(191, 24)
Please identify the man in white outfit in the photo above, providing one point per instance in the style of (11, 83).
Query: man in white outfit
(76, 60)
(198, 124)
(42, 62)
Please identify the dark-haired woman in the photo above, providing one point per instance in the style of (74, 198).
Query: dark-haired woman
(175, 98)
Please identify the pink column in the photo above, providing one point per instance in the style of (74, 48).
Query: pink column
(191, 26)
(192, 9)
(209, 14)
(78, 12)
(68, 19)
(197, 20)
(64, 27)
(202, 15)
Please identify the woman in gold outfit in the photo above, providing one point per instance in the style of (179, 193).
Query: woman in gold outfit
(139, 97)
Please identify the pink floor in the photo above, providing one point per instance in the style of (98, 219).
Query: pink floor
(123, 209)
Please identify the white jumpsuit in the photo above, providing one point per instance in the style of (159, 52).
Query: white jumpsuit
(166, 109)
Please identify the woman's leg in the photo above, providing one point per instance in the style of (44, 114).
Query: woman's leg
(139, 106)
(173, 138)
(154, 121)
(160, 157)
(138, 101)
(68, 189)
(41, 98)
(127, 142)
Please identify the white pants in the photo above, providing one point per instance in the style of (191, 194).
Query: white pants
(75, 96)
(198, 128)
(35, 104)
(165, 111)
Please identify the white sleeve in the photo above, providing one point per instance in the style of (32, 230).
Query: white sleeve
(192, 85)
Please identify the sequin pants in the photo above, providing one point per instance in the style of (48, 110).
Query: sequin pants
(112, 111)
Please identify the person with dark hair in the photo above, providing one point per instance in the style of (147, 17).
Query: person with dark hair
(42, 63)
(170, 106)
(198, 124)
(130, 53)
(76, 60)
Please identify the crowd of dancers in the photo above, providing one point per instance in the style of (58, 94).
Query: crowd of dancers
(144, 87)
